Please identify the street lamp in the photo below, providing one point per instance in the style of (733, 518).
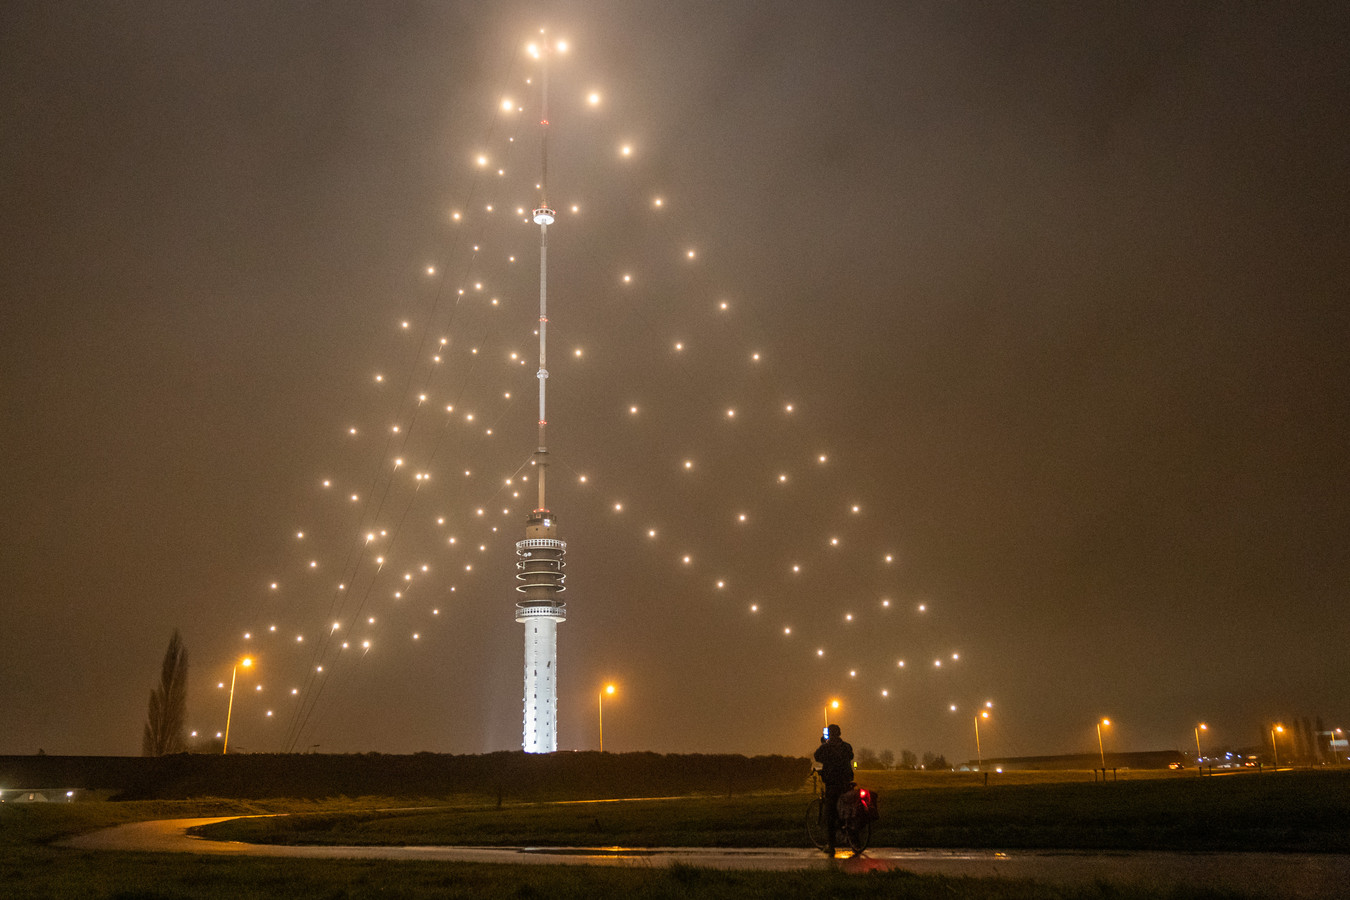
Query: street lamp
(608, 689)
(1199, 760)
(979, 758)
(229, 710)
(1101, 749)
(833, 704)
(1275, 747)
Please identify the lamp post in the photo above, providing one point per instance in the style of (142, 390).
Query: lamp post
(979, 757)
(229, 710)
(833, 704)
(1199, 760)
(608, 689)
(1100, 748)
(1274, 746)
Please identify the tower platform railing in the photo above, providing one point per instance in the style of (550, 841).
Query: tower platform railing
(554, 611)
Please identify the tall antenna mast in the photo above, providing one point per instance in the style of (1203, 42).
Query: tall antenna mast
(543, 217)
(539, 561)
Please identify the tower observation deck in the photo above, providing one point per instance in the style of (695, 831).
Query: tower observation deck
(539, 569)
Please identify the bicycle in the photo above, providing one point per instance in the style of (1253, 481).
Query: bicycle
(855, 832)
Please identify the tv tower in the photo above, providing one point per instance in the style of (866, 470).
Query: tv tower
(539, 564)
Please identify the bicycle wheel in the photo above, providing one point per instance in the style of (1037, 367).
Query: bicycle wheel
(859, 836)
(815, 824)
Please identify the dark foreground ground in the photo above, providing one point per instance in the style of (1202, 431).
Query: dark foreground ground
(1291, 811)
(1288, 811)
(1296, 876)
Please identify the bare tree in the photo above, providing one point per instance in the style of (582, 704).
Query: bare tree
(867, 758)
(166, 724)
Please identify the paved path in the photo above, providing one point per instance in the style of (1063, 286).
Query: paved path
(1285, 875)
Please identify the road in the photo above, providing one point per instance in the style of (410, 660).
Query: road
(1299, 876)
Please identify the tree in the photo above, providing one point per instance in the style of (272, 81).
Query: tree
(867, 758)
(908, 760)
(166, 723)
(887, 758)
(933, 760)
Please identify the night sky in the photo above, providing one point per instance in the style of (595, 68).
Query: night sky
(1058, 291)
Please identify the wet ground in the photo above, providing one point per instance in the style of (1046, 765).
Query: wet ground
(1284, 875)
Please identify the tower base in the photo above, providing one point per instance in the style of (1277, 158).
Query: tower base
(541, 686)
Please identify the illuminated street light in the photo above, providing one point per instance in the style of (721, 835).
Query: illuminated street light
(979, 758)
(833, 704)
(1275, 747)
(1199, 760)
(1100, 748)
(608, 689)
(229, 710)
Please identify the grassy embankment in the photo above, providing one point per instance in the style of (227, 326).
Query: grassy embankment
(1291, 811)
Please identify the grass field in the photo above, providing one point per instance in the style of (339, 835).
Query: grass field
(1304, 811)
(1289, 811)
(147, 876)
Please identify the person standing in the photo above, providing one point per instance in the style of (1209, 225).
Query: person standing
(835, 756)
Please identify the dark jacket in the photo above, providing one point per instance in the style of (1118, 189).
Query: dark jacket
(836, 762)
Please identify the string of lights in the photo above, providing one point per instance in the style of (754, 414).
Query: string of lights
(711, 469)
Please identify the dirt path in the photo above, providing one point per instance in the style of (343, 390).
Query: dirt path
(1285, 875)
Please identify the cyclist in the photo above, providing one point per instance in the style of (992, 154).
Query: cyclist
(835, 756)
